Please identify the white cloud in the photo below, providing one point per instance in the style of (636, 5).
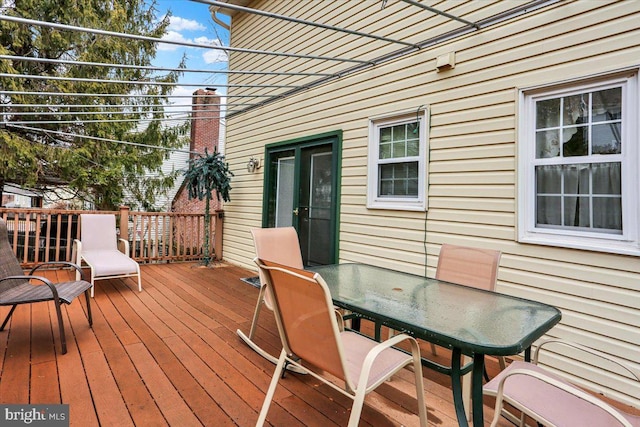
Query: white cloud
(173, 36)
(179, 24)
(213, 56)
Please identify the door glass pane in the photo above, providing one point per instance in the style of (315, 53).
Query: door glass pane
(284, 192)
(320, 198)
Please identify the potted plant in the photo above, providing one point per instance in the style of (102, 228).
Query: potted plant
(208, 173)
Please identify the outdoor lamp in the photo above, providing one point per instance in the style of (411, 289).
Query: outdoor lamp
(253, 165)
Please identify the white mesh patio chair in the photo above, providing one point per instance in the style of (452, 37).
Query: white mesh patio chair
(313, 340)
(98, 248)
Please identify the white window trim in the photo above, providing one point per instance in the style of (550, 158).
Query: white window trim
(397, 203)
(628, 242)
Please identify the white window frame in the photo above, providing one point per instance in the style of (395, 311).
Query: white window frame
(628, 241)
(398, 203)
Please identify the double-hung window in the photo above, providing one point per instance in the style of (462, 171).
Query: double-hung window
(398, 162)
(578, 165)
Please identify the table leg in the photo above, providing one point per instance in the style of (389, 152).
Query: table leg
(456, 387)
(476, 389)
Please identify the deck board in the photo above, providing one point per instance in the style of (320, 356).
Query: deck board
(170, 356)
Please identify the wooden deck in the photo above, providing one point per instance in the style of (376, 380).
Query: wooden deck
(170, 356)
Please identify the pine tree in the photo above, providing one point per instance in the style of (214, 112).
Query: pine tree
(99, 171)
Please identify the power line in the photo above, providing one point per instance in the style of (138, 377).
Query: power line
(83, 121)
(107, 113)
(167, 41)
(136, 144)
(131, 82)
(123, 95)
(153, 68)
(120, 105)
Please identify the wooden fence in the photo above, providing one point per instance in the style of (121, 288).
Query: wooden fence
(41, 235)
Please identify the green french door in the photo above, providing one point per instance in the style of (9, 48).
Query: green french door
(301, 190)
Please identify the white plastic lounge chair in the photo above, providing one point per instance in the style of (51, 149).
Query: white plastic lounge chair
(98, 248)
(313, 340)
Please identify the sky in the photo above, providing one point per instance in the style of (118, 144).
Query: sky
(192, 22)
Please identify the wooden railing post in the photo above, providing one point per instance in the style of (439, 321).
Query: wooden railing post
(217, 246)
(124, 222)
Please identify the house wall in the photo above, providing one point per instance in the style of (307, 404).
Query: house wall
(472, 195)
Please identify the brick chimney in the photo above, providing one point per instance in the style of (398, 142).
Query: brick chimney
(205, 122)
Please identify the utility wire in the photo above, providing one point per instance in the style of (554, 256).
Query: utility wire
(141, 120)
(132, 82)
(153, 68)
(136, 144)
(167, 41)
(125, 95)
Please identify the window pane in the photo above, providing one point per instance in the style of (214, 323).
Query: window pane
(547, 144)
(575, 109)
(413, 147)
(398, 180)
(385, 151)
(607, 178)
(576, 212)
(576, 179)
(607, 105)
(399, 149)
(606, 138)
(547, 113)
(385, 135)
(548, 210)
(399, 133)
(575, 141)
(548, 179)
(607, 213)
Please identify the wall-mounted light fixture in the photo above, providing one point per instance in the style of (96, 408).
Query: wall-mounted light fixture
(253, 165)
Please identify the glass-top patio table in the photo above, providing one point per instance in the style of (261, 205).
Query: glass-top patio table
(469, 321)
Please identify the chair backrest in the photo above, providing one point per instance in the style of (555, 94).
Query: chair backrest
(305, 317)
(280, 245)
(9, 264)
(98, 232)
(468, 266)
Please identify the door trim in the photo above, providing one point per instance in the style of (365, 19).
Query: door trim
(303, 142)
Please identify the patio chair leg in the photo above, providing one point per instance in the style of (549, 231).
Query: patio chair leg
(88, 298)
(356, 409)
(272, 389)
(63, 341)
(6, 319)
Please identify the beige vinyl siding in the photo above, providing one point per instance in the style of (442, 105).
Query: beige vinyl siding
(473, 108)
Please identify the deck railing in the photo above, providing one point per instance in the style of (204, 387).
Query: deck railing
(41, 235)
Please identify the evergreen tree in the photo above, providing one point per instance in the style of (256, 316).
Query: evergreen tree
(99, 171)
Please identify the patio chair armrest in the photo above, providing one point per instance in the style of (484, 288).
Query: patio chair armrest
(568, 388)
(340, 319)
(125, 243)
(612, 359)
(50, 263)
(44, 280)
(375, 352)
